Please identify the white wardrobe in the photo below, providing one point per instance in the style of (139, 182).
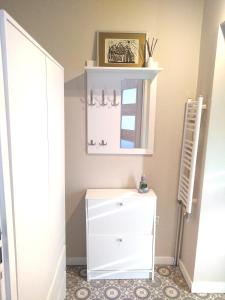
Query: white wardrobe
(31, 167)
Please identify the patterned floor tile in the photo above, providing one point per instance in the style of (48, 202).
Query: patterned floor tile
(168, 284)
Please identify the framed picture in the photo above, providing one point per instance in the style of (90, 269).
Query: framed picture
(121, 49)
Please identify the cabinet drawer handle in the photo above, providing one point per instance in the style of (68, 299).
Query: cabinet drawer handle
(120, 203)
(120, 240)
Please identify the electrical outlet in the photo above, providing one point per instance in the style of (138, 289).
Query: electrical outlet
(157, 220)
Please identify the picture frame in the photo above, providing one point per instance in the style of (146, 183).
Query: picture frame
(121, 49)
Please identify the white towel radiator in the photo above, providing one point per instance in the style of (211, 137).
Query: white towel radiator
(192, 122)
(191, 131)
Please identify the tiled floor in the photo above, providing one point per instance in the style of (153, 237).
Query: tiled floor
(168, 284)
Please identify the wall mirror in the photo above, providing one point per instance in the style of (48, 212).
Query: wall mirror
(134, 122)
(121, 110)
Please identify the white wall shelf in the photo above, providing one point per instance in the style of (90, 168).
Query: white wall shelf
(142, 73)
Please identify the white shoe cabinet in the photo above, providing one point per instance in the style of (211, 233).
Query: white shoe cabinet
(120, 228)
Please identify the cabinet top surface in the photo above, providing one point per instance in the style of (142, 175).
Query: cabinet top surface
(104, 194)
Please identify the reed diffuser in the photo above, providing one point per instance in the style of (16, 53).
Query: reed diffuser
(150, 50)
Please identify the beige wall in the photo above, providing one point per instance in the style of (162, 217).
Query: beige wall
(202, 232)
(67, 30)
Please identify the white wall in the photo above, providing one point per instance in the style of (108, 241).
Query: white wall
(178, 19)
(67, 30)
(210, 258)
(204, 244)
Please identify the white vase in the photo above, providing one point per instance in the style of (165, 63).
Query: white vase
(151, 63)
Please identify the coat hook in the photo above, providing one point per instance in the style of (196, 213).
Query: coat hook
(92, 101)
(103, 99)
(114, 99)
(92, 143)
(103, 143)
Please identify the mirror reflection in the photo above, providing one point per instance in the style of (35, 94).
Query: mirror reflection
(134, 114)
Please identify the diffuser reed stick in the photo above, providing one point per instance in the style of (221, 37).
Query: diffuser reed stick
(152, 48)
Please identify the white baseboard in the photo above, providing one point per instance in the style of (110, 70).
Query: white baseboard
(57, 289)
(202, 286)
(164, 260)
(159, 260)
(208, 287)
(76, 261)
(62, 290)
(185, 273)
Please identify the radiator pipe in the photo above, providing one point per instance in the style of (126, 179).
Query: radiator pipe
(180, 230)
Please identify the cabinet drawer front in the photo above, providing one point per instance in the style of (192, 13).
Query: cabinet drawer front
(127, 252)
(120, 216)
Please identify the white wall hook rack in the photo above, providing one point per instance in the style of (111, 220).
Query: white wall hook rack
(104, 91)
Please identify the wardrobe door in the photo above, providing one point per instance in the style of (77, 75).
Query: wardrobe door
(55, 96)
(27, 121)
